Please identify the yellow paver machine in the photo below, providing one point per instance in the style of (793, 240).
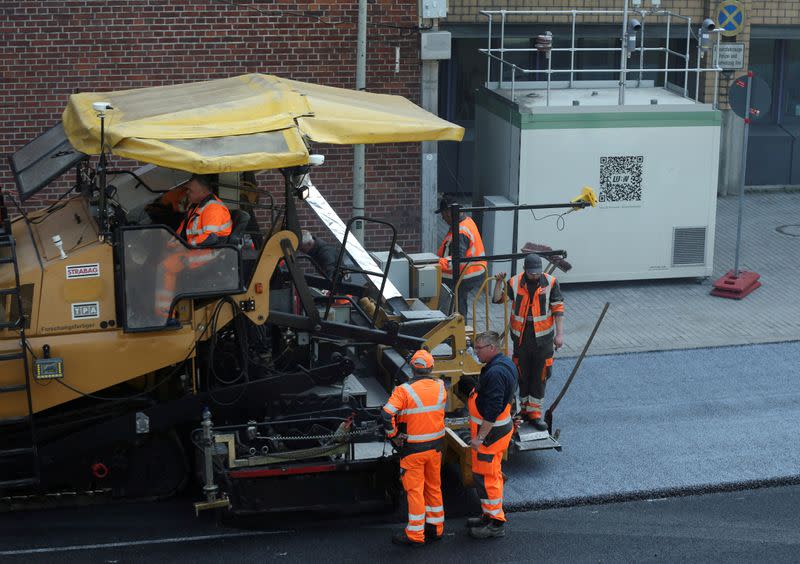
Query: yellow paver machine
(265, 380)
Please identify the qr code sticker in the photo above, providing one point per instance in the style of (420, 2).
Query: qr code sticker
(621, 179)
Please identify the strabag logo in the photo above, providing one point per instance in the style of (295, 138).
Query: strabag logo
(83, 271)
(86, 310)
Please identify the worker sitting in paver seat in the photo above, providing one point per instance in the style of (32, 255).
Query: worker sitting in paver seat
(207, 223)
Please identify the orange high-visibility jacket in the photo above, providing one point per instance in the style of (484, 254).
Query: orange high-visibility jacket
(468, 229)
(203, 219)
(498, 438)
(418, 405)
(539, 308)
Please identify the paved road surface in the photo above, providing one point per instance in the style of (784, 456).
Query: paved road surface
(758, 525)
(665, 421)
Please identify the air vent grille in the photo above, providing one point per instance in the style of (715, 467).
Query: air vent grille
(689, 246)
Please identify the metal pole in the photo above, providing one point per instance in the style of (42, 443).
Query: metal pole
(572, 52)
(549, 74)
(716, 72)
(455, 244)
(502, 48)
(744, 170)
(697, 75)
(489, 51)
(686, 67)
(513, 81)
(641, 56)
(624, 63)
(102, 166)
(358, 150)
(514, 241)
(666, 56)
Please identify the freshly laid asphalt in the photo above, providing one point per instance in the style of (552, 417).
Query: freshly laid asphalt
(667, 422)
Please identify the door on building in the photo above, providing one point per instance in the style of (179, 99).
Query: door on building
(773, 156)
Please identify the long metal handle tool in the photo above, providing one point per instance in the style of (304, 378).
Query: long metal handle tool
(548, 416)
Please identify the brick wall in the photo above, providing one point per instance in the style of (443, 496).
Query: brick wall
(770, 12)
(50, 49)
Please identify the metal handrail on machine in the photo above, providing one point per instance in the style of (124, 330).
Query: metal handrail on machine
(457, 261)
(491, 52)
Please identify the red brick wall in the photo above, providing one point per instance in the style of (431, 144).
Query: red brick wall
(53, 48)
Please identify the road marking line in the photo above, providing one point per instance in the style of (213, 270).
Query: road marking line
(136, 543)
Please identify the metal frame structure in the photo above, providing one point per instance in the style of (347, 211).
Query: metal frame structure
(457, 209)
(498, 53)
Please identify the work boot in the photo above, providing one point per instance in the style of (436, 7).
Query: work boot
(493, 529)
(478, 521)
(430, 533)
(401, 538)
(538, 423)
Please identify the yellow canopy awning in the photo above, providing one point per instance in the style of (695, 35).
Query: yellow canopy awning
(248, 122)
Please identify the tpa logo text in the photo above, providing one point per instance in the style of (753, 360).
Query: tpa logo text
(86, 310)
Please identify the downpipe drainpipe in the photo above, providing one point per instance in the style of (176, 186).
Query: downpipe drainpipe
(358, 150)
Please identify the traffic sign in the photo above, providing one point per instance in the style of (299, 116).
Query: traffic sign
(730, 17)
(730, 56)
(760, 97)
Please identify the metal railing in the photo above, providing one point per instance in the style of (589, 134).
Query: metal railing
(499, 53)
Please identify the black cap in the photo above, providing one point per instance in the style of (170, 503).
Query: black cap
(533, 264)
(444, 203)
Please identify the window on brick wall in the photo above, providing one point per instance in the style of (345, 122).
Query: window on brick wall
(790, 95)
(764, 58)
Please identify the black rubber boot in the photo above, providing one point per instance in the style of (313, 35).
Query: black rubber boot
(401, 538)
(539, 424)
(430, 533)
(493, 529)
(478, 521)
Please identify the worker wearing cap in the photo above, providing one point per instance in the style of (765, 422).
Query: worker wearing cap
(208, 222)
(414, 420)
(490, 403)
(537, 330)
(470, 245)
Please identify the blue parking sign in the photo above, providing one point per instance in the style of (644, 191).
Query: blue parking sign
(730, 17)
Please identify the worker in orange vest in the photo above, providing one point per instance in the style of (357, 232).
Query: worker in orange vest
(491, 425)
(470, 245)
(414, 420)
(207, 223)
(537, 330)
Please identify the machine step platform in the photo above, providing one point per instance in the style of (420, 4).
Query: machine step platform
(528, 438)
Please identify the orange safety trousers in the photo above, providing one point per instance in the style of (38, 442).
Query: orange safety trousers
(486, 462)
(422, 480)
(168, 270)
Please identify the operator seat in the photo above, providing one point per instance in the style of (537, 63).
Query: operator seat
(239, 221)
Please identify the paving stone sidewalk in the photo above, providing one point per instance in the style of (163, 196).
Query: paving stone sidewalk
(680, 313)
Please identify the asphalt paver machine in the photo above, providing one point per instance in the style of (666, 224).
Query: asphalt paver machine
(265, 380)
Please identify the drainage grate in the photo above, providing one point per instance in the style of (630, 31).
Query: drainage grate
(689, 246)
